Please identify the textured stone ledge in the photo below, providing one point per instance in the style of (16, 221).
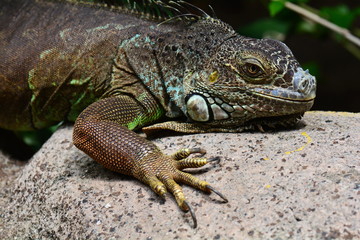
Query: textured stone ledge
(296, 184)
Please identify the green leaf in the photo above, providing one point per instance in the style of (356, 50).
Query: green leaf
(357, 11)
(276, 6)
(340, 15)
(308, 27)
(35, 139)
(314, 68)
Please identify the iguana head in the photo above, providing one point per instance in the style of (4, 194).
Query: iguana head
(249, 82)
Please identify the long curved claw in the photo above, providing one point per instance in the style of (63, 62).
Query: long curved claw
(217, 193)
(213, 159)
(192, 212)
(195, 162)
(260, 128)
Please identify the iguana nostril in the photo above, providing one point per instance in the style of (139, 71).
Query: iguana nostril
(304, 83)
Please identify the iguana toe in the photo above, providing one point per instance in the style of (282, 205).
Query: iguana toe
(185, 152)
(167, 175)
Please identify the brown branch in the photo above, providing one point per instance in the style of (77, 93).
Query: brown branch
(313, 17)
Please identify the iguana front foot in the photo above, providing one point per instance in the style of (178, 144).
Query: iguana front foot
(167, 174)
(99, 133)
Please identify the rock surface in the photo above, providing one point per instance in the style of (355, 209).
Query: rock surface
(296, 184)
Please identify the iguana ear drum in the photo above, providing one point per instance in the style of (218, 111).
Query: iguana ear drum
(197, 108)
(205, 108)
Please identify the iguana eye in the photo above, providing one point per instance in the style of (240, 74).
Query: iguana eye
(252, 70)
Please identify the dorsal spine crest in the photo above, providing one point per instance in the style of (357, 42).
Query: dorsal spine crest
(152, 10)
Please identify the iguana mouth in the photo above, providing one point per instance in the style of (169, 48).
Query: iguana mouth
(291, 97)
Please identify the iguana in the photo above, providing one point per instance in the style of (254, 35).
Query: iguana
(113, 69)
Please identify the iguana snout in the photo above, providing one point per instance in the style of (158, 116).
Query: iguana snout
(305, 84)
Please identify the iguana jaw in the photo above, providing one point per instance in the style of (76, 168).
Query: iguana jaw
(215, 111)
(283, 96)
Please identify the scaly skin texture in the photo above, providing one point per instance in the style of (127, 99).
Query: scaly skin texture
(112, 73)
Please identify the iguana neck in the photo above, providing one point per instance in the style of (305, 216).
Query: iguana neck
(163, 55)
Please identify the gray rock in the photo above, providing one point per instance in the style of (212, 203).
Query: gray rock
(295, 184)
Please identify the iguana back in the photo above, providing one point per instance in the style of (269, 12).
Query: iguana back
(57, 58)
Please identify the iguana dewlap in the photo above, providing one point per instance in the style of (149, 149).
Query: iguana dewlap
(113, 70)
